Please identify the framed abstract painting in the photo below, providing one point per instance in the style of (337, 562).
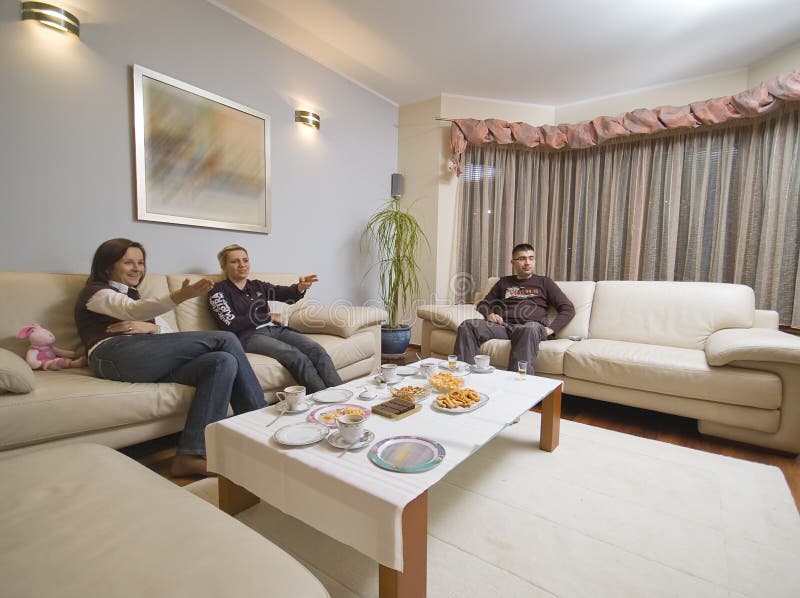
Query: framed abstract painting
(201, 159)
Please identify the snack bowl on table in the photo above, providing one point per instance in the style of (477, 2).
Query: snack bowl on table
(445, 381)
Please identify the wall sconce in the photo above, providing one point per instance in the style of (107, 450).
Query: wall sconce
(307, 118)
(55, 17)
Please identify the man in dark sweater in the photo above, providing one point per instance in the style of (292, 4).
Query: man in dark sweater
(241, 306)
(515, 309)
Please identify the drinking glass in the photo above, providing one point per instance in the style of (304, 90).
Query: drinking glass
(452, 361)
(522, 369)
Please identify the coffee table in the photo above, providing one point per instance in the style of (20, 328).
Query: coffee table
(382, 514)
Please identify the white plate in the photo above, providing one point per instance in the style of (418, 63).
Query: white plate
(380, 382)
(301, 434)
(461, 366)
(407, 370)
(483, 400)
(476, 370)
(335, 439)
(368, 395)
(332, 395)
(284, 408)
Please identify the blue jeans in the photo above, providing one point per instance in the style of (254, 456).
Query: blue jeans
(213, 362)
(309, 364)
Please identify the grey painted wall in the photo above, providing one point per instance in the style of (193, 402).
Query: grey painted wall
(67, 172)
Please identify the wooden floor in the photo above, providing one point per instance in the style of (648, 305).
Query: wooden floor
(158, 454)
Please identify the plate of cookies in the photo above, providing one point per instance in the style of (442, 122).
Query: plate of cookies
(446, 382)
(462, 400)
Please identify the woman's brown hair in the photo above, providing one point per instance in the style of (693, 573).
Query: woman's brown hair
(108, 254)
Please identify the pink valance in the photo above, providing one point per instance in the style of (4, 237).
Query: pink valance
(747, 104)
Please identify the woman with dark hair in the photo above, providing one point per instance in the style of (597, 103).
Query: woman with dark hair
(128, 342)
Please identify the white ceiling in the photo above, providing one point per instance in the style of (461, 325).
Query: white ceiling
(549, 52)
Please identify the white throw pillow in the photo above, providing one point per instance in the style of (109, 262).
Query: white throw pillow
(15, 374)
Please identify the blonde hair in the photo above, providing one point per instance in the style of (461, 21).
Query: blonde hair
(222, 256)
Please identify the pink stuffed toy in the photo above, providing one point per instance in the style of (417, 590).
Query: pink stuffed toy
(43, 354)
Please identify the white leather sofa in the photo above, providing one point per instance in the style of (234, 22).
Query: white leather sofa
(57, 407)
(699, 350)
(84, 520)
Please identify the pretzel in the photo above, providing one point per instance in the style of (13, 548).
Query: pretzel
(458, 398)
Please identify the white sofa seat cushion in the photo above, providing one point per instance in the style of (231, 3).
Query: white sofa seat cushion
(71, 402)
(550, 359)
(84, 520)
(670, 371)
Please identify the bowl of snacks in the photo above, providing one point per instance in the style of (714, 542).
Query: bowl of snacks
(410, 393)
(445, 382)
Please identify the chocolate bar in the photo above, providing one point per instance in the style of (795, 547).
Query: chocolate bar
(395, 408)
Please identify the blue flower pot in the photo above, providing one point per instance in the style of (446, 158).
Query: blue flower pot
(394, 341)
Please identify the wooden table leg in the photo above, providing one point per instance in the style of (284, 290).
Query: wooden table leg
(234, 498)
(551, 421)
(412, 581)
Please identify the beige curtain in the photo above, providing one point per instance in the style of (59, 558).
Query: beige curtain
(720, 204)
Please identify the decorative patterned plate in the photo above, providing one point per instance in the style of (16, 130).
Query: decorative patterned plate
(327, 414)
(454, 410)
(332, 395)
(301, 434)
(407, 454)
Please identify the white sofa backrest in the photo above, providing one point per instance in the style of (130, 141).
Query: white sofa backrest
(676, 314)
(580, 292)
(49, 299)
(195, 315)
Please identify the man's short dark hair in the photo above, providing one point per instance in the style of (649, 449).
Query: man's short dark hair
(522, 247)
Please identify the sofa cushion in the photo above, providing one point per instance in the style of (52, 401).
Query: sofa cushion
(71, 402)
(84, 520)
(674, 314)
(670, 371)
(15, 373)
(339, 320)
(549, 360)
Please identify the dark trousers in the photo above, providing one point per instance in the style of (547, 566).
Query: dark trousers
(305, 359)
(525, 339)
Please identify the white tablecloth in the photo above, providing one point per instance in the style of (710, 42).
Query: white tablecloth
(348, 497)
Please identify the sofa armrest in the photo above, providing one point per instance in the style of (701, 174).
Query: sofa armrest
(752, 344)
(447, 316)
(765, 318)
(338, 320)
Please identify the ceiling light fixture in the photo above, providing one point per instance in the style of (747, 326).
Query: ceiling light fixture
(307, 118)
(50, 15)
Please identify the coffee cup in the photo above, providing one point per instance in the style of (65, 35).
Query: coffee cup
(351, 427)
(428, 369)
(482, 361)
(389, 372)
(293, 396)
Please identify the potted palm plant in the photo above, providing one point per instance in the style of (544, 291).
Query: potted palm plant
(396, 235)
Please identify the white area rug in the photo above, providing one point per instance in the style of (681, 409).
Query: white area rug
(605, 515)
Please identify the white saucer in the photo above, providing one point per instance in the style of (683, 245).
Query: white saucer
(379, 380)
(335, 439)
(476, 370)
(368, 395)
(284, 408)
(407, 370)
